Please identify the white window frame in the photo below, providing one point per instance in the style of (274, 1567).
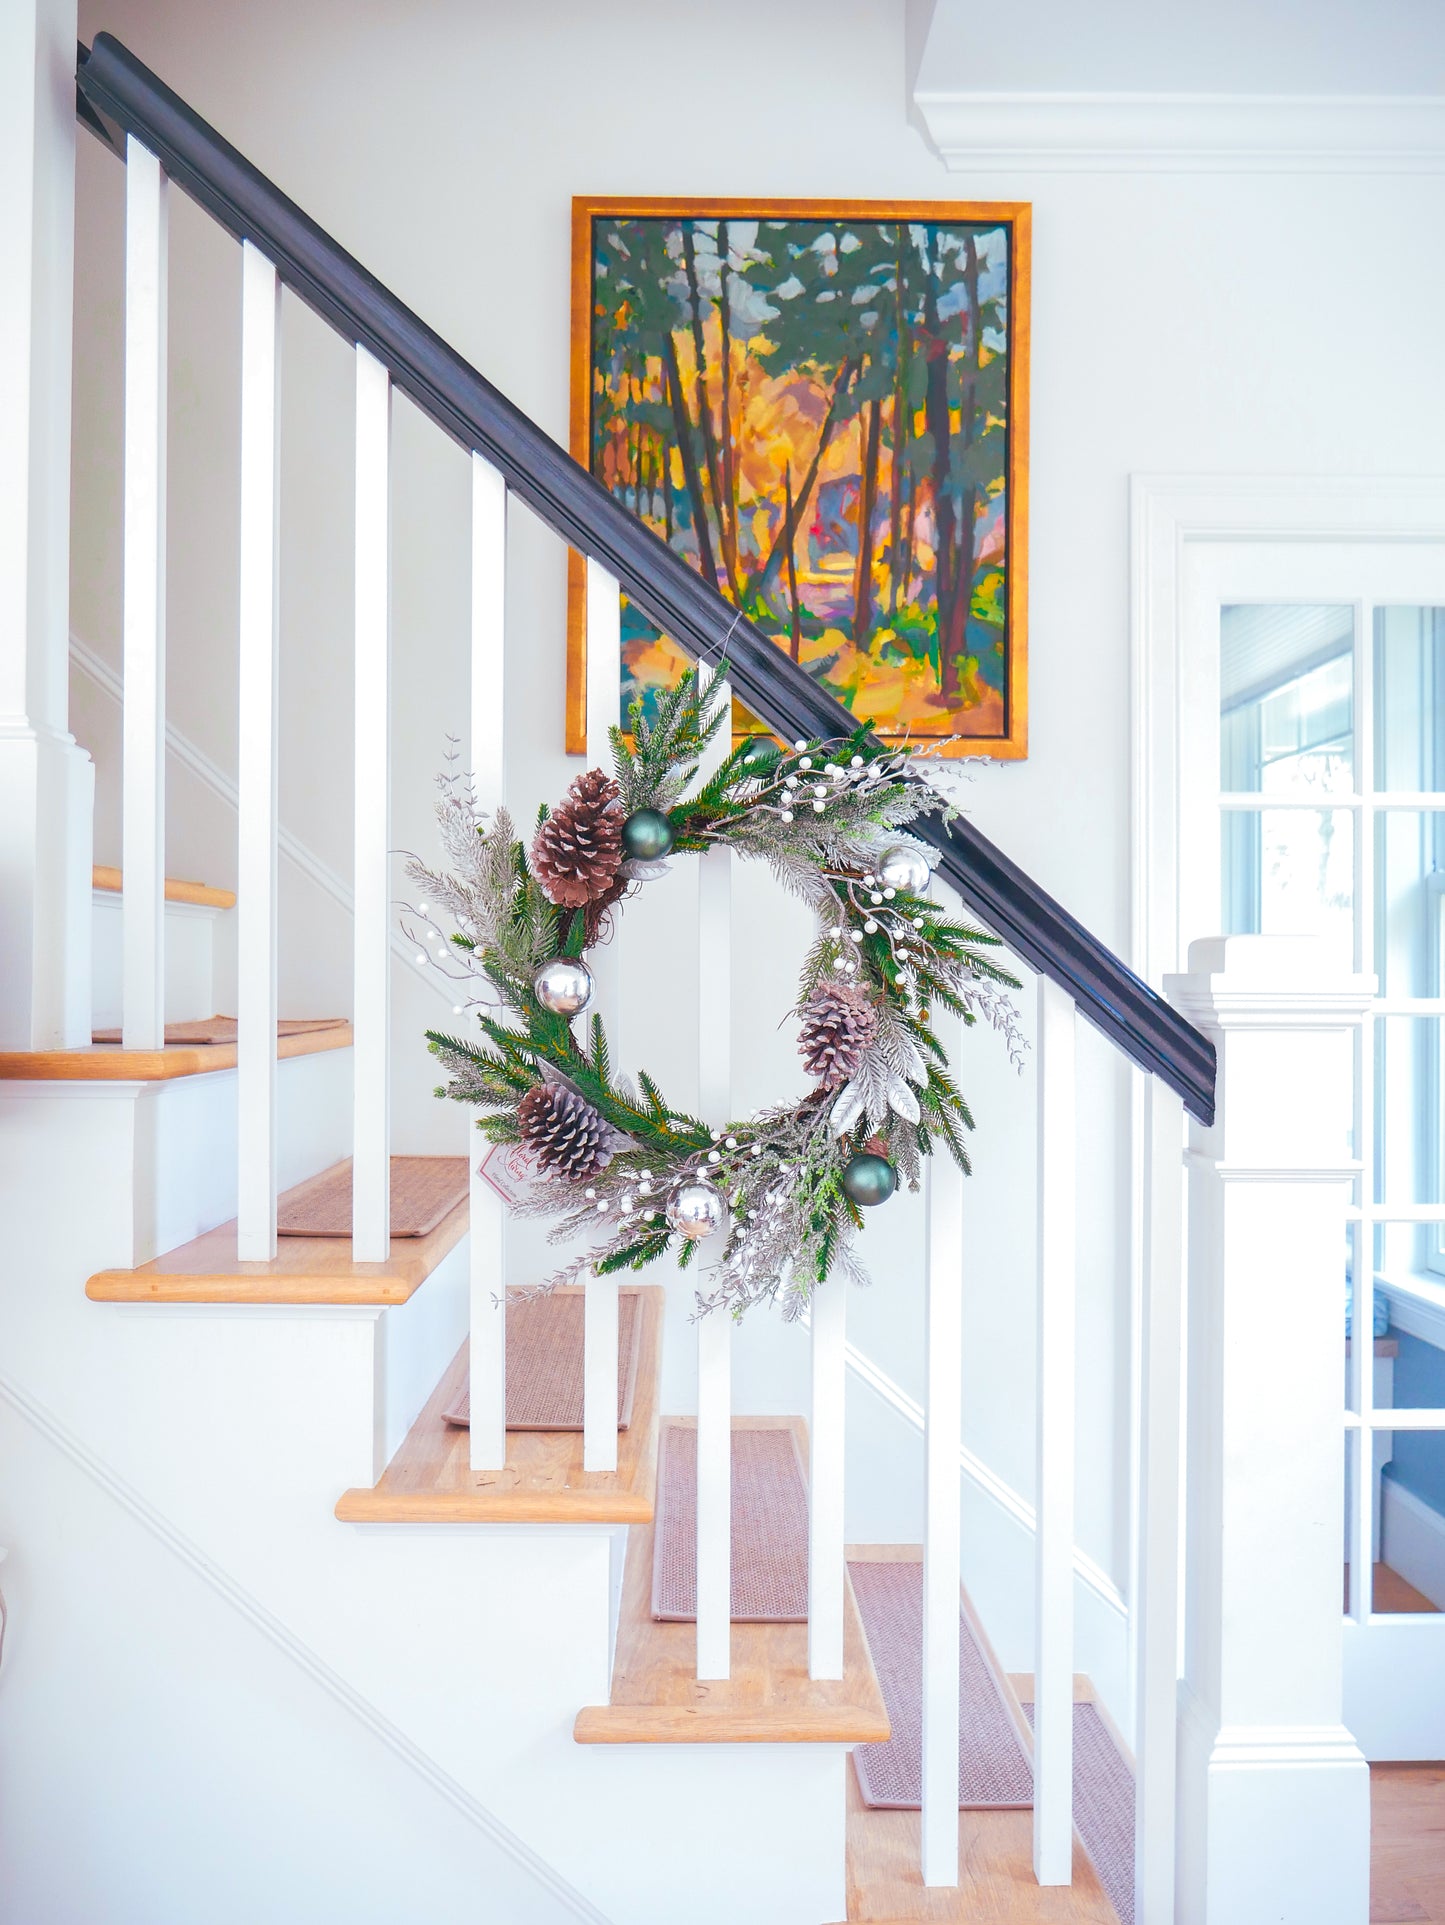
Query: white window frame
(1170, 516)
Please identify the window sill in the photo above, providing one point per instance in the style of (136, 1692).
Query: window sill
(1417, 1303)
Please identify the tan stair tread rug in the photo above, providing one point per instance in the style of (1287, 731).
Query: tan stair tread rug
(769, 1528)
(993, 1770)
(424, 1190)
(222, 1029)
(544, 1362)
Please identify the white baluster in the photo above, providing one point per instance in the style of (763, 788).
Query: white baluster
(143, 779)
(604, 711)
(714, 1495)
(488, 1253)
(599, 1373)
(371, 1169)
(1156, 1582)
(942, 1432)
(1054, 1541)
(258, 759)
(714, 1331)
(826, 1434)
(604, 701)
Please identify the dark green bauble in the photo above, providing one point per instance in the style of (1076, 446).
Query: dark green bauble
(869, 1179)
(646, 836)
(760, 756)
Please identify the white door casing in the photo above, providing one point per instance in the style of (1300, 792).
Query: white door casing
(1199, 545)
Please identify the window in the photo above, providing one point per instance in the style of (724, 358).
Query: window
(1332, 772)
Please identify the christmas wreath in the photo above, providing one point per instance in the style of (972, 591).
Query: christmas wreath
(618, 1166)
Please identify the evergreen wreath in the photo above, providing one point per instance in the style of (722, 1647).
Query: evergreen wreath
(617, 1165)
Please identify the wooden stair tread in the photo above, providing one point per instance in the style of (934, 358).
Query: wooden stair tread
(996, 1871)
(106, 1063)
(103, 877)
(430, 1481)
(305, 1270)
(769, 1699)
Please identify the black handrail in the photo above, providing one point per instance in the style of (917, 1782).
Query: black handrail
(117, 96)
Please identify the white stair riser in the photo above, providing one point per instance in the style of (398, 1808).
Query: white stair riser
(155, 1163)
(194, 934)
(242, 1426)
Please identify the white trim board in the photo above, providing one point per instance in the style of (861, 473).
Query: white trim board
(301, 1654)
(1011, 1502)
(1185, 132)
(200, 765)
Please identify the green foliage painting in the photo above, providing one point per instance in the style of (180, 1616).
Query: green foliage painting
(823, 408)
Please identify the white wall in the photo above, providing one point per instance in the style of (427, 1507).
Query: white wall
(1195, 323)
(185, 1768)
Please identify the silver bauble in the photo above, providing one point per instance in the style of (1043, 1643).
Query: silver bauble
(905, 869)
(563, 985)
(696, 1210)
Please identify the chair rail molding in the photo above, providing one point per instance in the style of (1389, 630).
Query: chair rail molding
(1069, 132)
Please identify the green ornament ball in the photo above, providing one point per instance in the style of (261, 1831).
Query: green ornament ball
(647, 836)
(760, 756)
(869, 1179)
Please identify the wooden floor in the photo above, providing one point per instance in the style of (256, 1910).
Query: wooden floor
(431, 1481)
(769, 1698)
(1407, 1844)
(1391, 1593)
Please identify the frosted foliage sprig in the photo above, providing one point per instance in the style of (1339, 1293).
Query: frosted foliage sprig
(829, 819)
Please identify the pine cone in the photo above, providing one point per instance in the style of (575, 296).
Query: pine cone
(578, 850)
(839, 1025)
(565, 1135)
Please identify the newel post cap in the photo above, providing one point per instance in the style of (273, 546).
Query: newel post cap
(1273, 982)
(1283, 1010)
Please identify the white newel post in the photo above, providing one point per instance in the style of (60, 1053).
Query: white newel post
(46, 781)
(1274, 1794)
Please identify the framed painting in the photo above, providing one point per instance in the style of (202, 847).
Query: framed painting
(822, 406)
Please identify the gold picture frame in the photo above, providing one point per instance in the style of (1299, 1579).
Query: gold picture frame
(915, 348)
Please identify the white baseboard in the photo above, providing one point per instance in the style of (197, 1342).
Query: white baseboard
(1412, 1539)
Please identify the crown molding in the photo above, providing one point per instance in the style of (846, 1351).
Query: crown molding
(1185, 133)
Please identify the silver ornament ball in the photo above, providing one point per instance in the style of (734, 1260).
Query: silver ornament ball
(563, 985)
(905, 869)
(696, 1210)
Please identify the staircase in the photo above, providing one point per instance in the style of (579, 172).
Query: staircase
(494, 1706)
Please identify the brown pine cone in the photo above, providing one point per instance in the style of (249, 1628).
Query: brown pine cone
(565, 1135)
(578, 850)
(839, 1025)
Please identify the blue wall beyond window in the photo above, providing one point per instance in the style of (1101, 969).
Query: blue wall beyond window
(1419, 1460)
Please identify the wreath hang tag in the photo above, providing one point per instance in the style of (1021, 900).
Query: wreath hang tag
(830, 818)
